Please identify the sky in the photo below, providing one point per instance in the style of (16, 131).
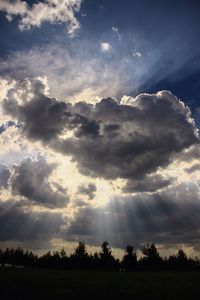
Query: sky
(99, 124)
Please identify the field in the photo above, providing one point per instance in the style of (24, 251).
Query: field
(50, 284)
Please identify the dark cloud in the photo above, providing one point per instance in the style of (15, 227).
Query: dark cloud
(112, 139)
(88, 190)
(147, 184)
(4, 176)
(88, 224)
(188, 154)
(80, 203)
(170, 216)
(31, 180)
(42, 117)
(134, 139)
(192, 169)
(16, 223)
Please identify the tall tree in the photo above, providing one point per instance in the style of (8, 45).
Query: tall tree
(80, 258)
(129, 261)
(152, 258)
(107, 260)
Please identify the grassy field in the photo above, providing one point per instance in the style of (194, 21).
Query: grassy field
(49, 284)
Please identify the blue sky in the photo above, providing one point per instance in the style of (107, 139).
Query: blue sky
(99, 108)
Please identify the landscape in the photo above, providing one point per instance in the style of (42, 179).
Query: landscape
(99, 149)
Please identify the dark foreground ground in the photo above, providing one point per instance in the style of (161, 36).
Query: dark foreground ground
(50, 284)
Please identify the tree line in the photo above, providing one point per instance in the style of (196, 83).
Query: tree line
(102, 260)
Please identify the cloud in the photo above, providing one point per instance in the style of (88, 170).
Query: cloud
(132, 139)
(170, 216)
(149, 183)
(194, 168)
(112, 139)
(88, 190)
(4, 175)
(189, 154)
(79, 75)
(127, 144)
(35, 106)
(116, 30)
(6, 125)
(16, 7)
(52, 11)
(31, 180)
(137, 54)
(18, 224)
(105, 46)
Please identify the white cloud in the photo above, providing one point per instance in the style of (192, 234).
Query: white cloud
(52, 11)
(137, 54)
(105, 46)
(116, 30)
(79, 76)
(17, 7)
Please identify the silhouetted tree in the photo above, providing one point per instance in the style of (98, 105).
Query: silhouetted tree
(64, 260)
(180, 261)
(129, 261)
(80, 258)
(151, 259)
(104, 260)
(45, 260)
(2, 258)
(107, 260)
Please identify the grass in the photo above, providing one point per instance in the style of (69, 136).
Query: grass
(50, 284)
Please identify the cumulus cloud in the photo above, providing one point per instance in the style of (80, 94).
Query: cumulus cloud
(30, 179)
(121, 142)
(17, 7)
(29, 103)
(88, 190)
(112, 139)
(52, 11)
(132, 139)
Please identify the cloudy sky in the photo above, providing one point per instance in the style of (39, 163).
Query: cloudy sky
(99, 123)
